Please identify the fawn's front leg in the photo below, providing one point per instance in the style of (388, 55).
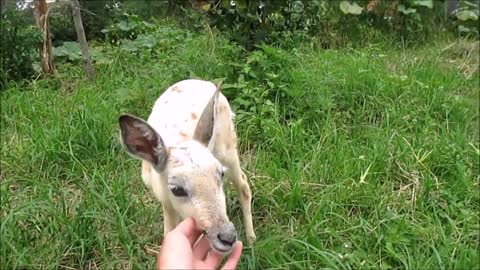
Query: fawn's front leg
(239, 180)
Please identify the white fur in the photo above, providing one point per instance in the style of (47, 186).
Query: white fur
(174, 117)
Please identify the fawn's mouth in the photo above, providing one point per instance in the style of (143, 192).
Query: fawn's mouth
(221, 249)
(217, 245)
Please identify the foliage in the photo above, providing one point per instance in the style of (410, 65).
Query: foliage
(61, 24)
(19, 43)
(350, 8)
(260, 82)
(70, 50)
(467, 16)
(97, 15)
(250, 22)
(155, 9)
(128, 26)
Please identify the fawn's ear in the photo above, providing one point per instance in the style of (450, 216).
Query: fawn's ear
(142, 141)
(204, 130)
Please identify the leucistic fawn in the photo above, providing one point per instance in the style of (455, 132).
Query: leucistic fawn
(188, 147)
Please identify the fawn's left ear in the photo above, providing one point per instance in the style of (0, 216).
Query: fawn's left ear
(204, 130)
(142, 141)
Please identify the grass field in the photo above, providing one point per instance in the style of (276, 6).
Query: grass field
(363, 158)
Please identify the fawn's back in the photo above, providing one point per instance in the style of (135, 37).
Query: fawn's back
(177, 111)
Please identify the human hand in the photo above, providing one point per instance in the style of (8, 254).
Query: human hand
(180, 252)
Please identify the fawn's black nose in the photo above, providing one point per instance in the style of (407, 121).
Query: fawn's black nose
(228, 235)
(228, 239)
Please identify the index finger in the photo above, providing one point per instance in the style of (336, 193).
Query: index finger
(189, 229)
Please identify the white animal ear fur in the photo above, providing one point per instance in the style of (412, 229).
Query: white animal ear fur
(204, 130)
(142, 141)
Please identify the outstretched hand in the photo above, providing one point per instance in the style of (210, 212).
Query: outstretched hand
(179, 250)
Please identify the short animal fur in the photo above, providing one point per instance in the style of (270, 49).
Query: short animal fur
(187, 146)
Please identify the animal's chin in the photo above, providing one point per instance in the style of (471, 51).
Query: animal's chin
(221, 250)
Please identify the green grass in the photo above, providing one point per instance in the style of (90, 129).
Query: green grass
(369, 159)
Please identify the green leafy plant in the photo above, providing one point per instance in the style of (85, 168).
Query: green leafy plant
(250, 22)
(61, 24)
(467, 16)
(70, 51)
(260, 84)
(350, 8)
(129, 26)
(19, 43)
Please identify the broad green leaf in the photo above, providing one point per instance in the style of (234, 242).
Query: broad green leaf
(423, 3)
(464, 29)
(69, 49)
(468, 4)
(406, 11)
(205, 7)
(350, 8)
(125, 26)
(465, 15)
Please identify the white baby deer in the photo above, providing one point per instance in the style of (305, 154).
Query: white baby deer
(186, 147)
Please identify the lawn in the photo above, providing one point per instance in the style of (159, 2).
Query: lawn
(357, 158)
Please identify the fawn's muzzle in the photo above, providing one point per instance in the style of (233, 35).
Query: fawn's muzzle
(223, 238)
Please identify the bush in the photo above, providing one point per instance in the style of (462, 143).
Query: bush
(61, 24)
(18, 47)
(335, 23)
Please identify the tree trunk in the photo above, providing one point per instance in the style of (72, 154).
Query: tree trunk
(46, 55)
(77, 19)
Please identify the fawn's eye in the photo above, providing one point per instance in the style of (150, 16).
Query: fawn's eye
(178, 191)
(221, 172)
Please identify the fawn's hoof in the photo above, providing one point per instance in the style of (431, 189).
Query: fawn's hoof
(251, 239)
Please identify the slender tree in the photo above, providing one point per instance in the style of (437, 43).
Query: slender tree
(77, 19)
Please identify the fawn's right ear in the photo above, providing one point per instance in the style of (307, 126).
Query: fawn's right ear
(142, 141)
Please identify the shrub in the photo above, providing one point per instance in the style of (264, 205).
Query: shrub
(18, 47)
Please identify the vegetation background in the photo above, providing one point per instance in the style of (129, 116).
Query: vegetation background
(358, 124)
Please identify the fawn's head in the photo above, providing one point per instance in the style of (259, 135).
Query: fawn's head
(194, 176)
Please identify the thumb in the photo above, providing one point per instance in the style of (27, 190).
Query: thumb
(234, 257)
